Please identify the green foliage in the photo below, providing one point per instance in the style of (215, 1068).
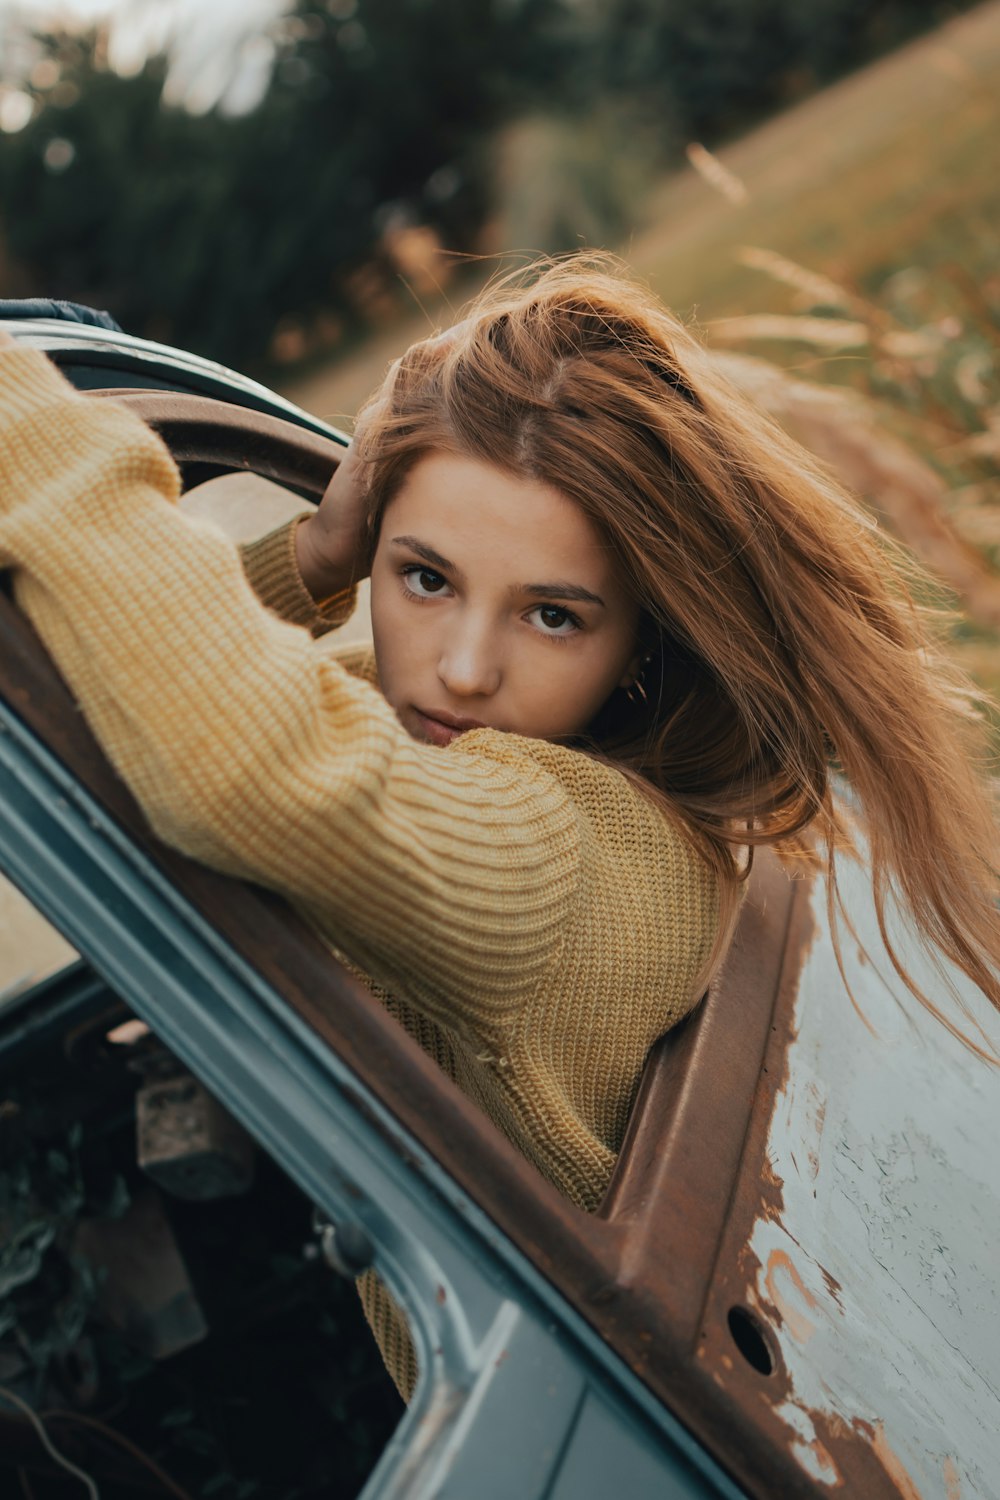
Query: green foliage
(211, 230)
(722, 63)
(207, 230)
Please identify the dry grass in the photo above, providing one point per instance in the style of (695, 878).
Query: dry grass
(893, 166)
(851, 244)
(849, 434)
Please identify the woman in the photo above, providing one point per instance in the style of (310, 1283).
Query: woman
(622, 628)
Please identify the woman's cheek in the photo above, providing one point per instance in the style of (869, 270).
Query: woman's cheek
(558, 693)
(410, 635)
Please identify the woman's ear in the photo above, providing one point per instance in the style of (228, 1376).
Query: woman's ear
(632, 674)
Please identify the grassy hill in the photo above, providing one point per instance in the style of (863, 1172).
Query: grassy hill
(893, 167)
(887, 185)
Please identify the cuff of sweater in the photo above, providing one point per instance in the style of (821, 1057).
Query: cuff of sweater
(272, 570)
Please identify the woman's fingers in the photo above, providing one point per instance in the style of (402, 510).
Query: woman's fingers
(330, 544)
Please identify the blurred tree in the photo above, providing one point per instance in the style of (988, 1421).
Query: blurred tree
(113, 199)
(213, 230)
(208, 230)
(711, 68)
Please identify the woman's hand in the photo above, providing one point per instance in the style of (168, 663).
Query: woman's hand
(329, 544)
(7, 340)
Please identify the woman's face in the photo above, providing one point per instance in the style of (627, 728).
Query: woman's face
(496, 603)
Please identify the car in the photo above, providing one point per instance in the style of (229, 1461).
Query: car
(790, 1289)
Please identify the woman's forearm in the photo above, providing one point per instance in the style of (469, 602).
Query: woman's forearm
(249, 748)
(270, 563)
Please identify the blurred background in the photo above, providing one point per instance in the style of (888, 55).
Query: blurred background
(300, 189)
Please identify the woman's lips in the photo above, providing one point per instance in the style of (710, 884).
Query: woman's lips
(440, 728)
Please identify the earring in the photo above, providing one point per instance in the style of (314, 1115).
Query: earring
(635, 690)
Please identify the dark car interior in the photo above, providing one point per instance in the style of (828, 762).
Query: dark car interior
(166, 1302)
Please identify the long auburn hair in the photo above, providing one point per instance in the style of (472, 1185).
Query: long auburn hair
(781, 629)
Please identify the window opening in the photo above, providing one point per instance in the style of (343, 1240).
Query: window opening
(164, 1290)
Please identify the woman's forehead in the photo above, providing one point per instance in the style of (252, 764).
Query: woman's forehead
(490, 515)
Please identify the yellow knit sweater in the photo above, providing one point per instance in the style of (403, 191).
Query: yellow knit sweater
(525, 912)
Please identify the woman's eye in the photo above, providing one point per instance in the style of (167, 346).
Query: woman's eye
(552, 620)
(423, 582)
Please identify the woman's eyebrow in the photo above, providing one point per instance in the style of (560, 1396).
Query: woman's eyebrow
(427, 553)
(574, 591)
(560, 591)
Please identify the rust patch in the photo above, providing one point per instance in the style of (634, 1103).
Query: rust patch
(829, 1453)
(832, 1286)
(953, 1484)
(794, 1319)
(798, 946)
(867, 1468)
(826, 1469)
(890, 1461)
(772, 1201)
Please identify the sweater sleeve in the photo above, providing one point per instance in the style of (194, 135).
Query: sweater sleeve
(271, 568)
(445, 873)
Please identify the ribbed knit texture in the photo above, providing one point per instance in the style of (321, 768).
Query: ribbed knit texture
(525, 912)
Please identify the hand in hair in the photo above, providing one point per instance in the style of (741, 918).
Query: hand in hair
(333, 545)
(330, 544)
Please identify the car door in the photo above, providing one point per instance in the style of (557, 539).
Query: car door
(791, 1286)
(242, 994)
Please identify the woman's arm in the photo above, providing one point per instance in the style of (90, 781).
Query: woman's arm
(445, 874)
(271, 565)
(307, 569)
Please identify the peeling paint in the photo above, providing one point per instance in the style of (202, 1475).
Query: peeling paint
(799, 1325)
(817, 1106)
(816, 1461)
(808, 1448)
(832, 1285)
(889, 1460)
(876, 1267)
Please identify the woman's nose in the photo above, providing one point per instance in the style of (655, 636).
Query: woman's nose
(469, 665)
